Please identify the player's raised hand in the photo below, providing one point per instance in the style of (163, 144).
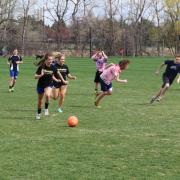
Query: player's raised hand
(178, 80)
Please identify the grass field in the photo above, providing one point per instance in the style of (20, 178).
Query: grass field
(126, 139)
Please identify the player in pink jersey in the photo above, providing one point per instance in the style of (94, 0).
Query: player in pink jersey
(100, 58)
(111, 72)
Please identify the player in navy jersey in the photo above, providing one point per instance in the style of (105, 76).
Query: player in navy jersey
(172, 69)
(46, 74)
(59, 89)
(13, 61)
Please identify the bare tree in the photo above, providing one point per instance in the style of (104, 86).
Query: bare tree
(27, 6)
(137, 9)
(7, 8)
(111, 10)
(158, 8)
(172, 9)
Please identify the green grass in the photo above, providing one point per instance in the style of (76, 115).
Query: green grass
(126, 139)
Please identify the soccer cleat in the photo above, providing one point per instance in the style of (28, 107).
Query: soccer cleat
(46, 113)
(38, 116)
(98, 106)
(60, 110)
(153, 99)
(12, 89)
(159, 99)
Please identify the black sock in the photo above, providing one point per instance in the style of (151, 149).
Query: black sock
(39, 110)
(46, 105)
(10, 87)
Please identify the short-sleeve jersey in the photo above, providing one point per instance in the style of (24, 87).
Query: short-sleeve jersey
(46, 80)
(100, 63)
(110, 73)
(172, 69)
(63, 69)
(12, 60)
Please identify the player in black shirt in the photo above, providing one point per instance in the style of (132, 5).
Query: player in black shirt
(13, 62)
(172, 69)
(46, 74)
(59, 90)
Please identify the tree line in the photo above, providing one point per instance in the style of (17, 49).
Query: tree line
(131, 27)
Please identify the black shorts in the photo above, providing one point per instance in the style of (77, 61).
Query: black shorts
(166, 80)
(97, 77)
(58, 84)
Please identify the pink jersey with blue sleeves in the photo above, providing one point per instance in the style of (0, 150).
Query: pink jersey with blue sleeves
(110, 73)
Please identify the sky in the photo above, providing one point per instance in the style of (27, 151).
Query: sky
(99, 11)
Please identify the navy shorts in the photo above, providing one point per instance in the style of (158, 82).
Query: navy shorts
(14, 74)
(105, 87)
(40, 90)
(97, 77)
(166, 80)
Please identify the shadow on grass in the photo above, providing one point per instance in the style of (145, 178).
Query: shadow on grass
(80, 106)
(18, 117)
(19, 110)
(80, 94)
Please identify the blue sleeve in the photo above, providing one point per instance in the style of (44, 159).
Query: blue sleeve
(54, 68)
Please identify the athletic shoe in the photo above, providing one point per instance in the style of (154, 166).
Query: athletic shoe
(98, 106)
(60, 110)
(159, 99)
(38, 116)
(153, 99)
(46, 113)
(12, 89)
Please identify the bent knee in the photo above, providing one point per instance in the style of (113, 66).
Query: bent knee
(109, 93)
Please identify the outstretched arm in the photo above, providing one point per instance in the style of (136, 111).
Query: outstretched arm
(121, 80)
(157, 71)
(178, 79)
(71, 77)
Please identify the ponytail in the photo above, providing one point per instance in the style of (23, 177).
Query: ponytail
(41, 62)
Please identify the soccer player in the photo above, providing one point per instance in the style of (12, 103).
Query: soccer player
(111, 72)
(101, 59)
(172, 69)
(45, 75)
(59, 89)
(13, 61)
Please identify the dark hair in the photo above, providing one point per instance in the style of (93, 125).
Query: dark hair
(123, 63)
(41, 62)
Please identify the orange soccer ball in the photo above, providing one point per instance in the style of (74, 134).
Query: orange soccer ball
(72, 121)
